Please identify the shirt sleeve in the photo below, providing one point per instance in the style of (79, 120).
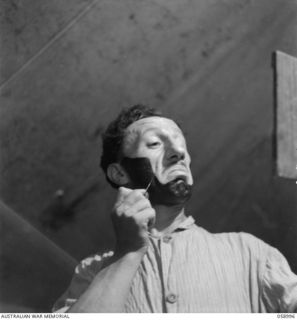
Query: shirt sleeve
(279, 284)
(82, 278)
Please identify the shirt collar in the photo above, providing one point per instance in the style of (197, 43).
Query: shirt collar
(185, 224)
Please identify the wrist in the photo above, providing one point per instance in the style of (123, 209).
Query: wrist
(134, 249)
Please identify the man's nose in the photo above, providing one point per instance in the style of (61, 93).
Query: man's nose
(175, 152)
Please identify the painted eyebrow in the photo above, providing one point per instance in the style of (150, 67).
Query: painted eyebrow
(175, 131)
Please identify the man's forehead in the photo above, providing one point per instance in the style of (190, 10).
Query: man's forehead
(151, 123)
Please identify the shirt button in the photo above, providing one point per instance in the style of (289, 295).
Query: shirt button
(167, 239)
(171, 298)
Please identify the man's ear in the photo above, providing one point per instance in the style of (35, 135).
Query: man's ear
(117, 174)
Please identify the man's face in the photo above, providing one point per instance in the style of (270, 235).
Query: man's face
(162, 142)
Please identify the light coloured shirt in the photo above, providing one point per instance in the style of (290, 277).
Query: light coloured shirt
(192, 270)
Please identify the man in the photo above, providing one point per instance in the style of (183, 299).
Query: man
(163, 262)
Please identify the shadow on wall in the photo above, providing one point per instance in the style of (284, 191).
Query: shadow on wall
(33, 270)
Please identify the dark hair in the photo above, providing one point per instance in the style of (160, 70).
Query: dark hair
(113, 136)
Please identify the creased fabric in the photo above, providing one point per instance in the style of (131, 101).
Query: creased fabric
(192, 270)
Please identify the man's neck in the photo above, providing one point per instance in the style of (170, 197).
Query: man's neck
(168, 218)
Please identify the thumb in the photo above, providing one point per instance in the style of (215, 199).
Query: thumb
(124, 191)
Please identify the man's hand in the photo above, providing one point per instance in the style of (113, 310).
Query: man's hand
(131, 217)
(109, 289)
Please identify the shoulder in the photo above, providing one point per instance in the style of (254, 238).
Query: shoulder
(240, 243)
(244, 241)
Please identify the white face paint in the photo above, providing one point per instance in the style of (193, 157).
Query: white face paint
(162, 142)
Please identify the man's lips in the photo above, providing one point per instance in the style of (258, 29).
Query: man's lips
(179, 168)
(177, 173)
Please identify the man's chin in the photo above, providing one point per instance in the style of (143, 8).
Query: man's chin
(175, 192)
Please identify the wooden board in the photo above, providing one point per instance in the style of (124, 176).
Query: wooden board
(285, 71)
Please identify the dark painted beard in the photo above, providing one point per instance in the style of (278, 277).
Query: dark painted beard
(175, 192)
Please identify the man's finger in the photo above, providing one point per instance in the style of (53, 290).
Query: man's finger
(123, 193)
(146, 217)
(135, 196)
(137, 207)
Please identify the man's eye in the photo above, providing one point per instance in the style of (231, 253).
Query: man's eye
(153, 144)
